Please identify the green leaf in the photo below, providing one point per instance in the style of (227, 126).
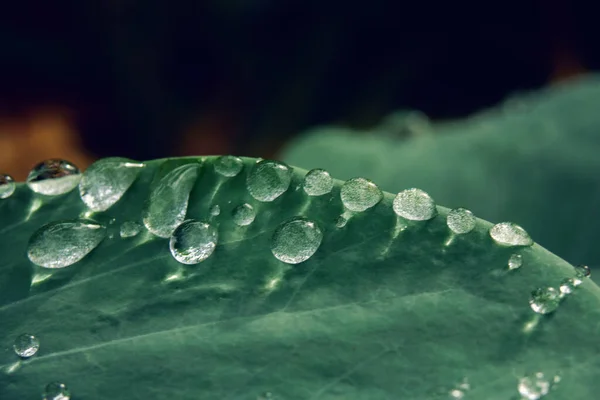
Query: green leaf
(386, 308)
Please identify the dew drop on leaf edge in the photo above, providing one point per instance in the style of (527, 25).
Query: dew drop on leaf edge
(296, 240)
(228, 166)
(26, 345)
(545, 300)
(534, 387)
(583, 271)
(510, 234)
(317, 182)
(414, 205)
(193, 242)
(360, 194)
(568, 285)
(53, 177)
(56, 391)
(268, 180)
(461, 221)
(7, 186)
(243, 214)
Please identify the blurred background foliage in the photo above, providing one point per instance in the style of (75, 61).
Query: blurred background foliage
(149, 79)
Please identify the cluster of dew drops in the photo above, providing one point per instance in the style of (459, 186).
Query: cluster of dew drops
(191, 241)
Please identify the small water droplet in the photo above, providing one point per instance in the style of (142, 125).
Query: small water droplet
(26, 345)
(415, 205)
(60, 244)
(266, 396)
(515, 261)
(130, 229)
(544, 300)
(53, 177)
(534, 387)
(57, 391)
(583, 271)
(215, 210)
(461, 221)
(568, 285)
(341, 221)
(268, 180)
(228, 166)
(509, 234)
(296, 240)
(7, 186)
(360, 194)
(317, 182)
(243, 215)
(460, 390)
(106, 181)
(193, 242)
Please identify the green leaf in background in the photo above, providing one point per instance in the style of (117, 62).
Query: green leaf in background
(296, 296)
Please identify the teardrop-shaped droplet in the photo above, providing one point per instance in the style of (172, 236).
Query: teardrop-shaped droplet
(168, 200)
(106, 181)
(215, 210)
(243, 215)
(534, 387)
(228, 166)
(360, 194)
(53, 177)
(583, 271)
(26, 345)
(268, 180)
(193, 242)
(568, 285)
(7, 186)
(545, 300)
(60, 244)
(317, 182)
(515, 261)
(414, 205)
(129, 229)
(461, 221)
(57, 391)
(296, 240)
(509, 234)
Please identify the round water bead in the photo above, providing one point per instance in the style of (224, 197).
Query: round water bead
(545, 300)
(53, 177)
(360, 194)
(317, 182)
(296, 240)
(243, 215)
(193, 242)
(26, 345)
(515, 261)
(130, 229)
(534, 387)
(461, 221)
(268, 180)
(415, 205)
(57, 391)
(228, 166)
(509, 234)
(568, 285)
(215, 210)
(583, 271)
(7, 186)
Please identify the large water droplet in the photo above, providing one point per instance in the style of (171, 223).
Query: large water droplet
(57, 391)
(534, 387)
(414, 205)
(268, 180)
(228, 166)
(461, 221)
(129, 229)
(243, 215)
(215, 210)
(545, 300)
(509, 234)
(7, 186)
(60, 244)
(26, 345)
(360, 194)
(515, 261)
(193, 242)
(53, 177)
(106, 181)
(168, 200)
(296, 240)
(317, 182)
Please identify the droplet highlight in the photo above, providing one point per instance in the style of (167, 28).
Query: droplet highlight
(317, 182)
(414, 205)
(193, 242)
(534, 387)
(228, 166)
(268, 180)
(461, 221)
(7, 186)
(509, 234)
(515, 261)
(215, 210)
(26, 345)
(129, 229)
(360, 194)
(568, 285)
(296, 240)
(57, 391)
(53, 177)
(545, 300)
(243, 214)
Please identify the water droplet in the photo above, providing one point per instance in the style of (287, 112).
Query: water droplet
(7, 186)
(268, 180)
(265, 396)
(461, 221)
(360, 194)
(544, 300)
(168, 200)
(509, 234)
(243, 215)
(317, 182)
(57, 391)
(106, 181)
(193, 242)
(53, 177)
(568, 285)
(460, 390)
(414, 205)
(515, 261)
(534, 387)
(228, 166)
(341, 221)
(215, 210)
(296, 240)
(130, 229)
(583, 271)
(60, 244)
(26, 345)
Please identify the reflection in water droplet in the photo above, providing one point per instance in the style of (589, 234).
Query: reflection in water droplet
(341, 221)
(515, 261)
(243, 215)
(130, 229)
(461, 221)
(296, 240)
(583, 271)
(228, 166)
(60, 244)
(53, 177)
(509, 234)
(568, 285)
(317, 182)
(193, 242)
(7, 186)
(268, 180)
(534, 387)
(460, 390)
(26, 345)
(215, 210)
(106, 181)
(544, 300)
(360, 194)
(415, 205)
(57, 391)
